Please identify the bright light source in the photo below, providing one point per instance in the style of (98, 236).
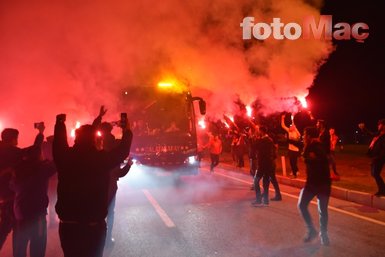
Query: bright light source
(249, 110)
(165, 84)
(303, 101)
(202, 123)
(191, 159)
(77, 125)
(99, 133)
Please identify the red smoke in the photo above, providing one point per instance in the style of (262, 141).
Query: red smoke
(73, 56)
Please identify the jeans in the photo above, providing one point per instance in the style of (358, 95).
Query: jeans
(6, 221)
(265, 182)
(111, 217)
(306, 195)
(214, 160)
(332, 161)
(376, 168)
(33, 231)
(293, 158)
(253, 166)
(274, 182)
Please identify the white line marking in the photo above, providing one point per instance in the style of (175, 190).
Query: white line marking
(314, 202)
(163, 215)
(237, 179)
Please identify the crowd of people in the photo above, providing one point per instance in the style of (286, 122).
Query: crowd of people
(85, 207)
(317, 147)
(82, 203)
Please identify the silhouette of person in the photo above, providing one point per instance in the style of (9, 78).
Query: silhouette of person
(172, 128)
(109, 143)
(83, 185)
(318, 183)
(11, 161)
(266, 154)
(215, 148)
(30, 185)
(293, 150)
(9, 156)
(332, 155)
(376, 152)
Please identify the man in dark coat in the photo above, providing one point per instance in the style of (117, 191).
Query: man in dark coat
(30, 184)
(109, 143)
(376, 152)
(11, 160)
(318, 183)
(9, 153)
(266, 154)
(83, 183)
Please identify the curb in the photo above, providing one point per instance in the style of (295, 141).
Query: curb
(337, 192)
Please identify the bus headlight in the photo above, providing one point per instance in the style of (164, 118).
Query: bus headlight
(191, 159)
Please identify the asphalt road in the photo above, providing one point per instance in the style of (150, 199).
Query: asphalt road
(210, 215)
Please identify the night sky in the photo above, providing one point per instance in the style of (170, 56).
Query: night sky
(350, 86)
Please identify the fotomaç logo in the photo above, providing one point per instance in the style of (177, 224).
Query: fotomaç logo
(309, 29)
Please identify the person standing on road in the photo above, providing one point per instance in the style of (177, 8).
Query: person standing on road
(30, 185)
(109, 143)
(325, 139)
(318, 183)
(252, 137)
(11, 160)
(376, 152)
(9, 153)
(294, 138)
(332, 155)
(266, 154)
(83, 184)
(215, 148)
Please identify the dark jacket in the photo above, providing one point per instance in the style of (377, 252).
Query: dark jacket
(12, 160)
(324, 138)
(30, 182)
(8, 158)
(31, 197)
(109, 143)
(83, 176)
(266, 155)
(377, 150)
(317, 165)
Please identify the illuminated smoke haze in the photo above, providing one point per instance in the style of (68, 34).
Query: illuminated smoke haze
(72, 56)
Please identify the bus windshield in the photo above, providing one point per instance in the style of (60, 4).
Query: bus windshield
(161, 114)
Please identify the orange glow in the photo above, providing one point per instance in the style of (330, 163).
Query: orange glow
(171, 83)
(98, 133)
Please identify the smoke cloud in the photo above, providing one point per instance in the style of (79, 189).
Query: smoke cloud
(73, 56)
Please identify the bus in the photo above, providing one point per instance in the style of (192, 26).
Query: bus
(163, 121)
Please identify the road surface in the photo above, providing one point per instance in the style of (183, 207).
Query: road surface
(210, 215)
